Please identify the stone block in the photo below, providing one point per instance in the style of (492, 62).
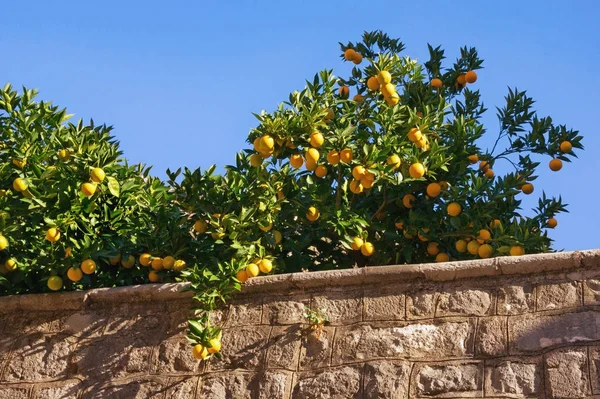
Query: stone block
(151, 327)
(513, 378)
(315, 352)
(275, 385)
(243, 348)
(285, 310)
(8, 392)
(387, 304)
(449, 339)
(591, 292)
(174, 356)
(135, 388)
(559, 295)
(386, 379)
(516, 299)
(181, 388)
(85, 324)
(338, 383)
(225, 386)
(58, 390)
(530, 333)
(38, 357)
(490, 339)
(594, 353)
(464, 302)
(284, 347)
(341, 307)
(244, 313)
(449, 380)
(567, 373)
(420, 305)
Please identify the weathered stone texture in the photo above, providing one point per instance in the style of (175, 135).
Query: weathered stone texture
(386, 379)
(383, 305)
(560, 295)
(284, 347)
(513, 378)
(450, 380)
(567, 373)
(516, 299)
(341, 307)
(464, 302)
(315, 352)
(420, 305)
(246, 348)
(339, 383)
(491, 336)
(285, 310)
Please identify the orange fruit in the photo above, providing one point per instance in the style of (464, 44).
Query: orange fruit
(321, 171)
(384, 77)
(52, 234)
(556, 165)
(421, 143)
(485, 251)
(552, 223)
(444, 185)
(461, 246)
(358, 171)
(394, 160)
(88, 189)
(64, 155)
(527, 188)
(373, 83)
(199, 352)
(265, 225)
(252, 270)
(434, 190)
(473, 247)
(366, 183)
(200, 226)
(471, 77)
(55, 283)
(74, 274)
(392, 99)
(344, 91)
(145, 260)
(415, 134)
(388, 89)
(316, 139)
(422, 236)
(454, 209)
(312, 155)
(179, 265)
(356, 186)
(350, 54)
(461, 80)
(495, 223)
(433, 248)
(296, 161)
(256, 144)
(97, 175)
(215, 345)
(277, 236)
(416, 170)
(484, 166)
(442, 257)
(483, 236)
(88, 266)
(312, 214)
(517, 250)
(168, 262)
(115, 259)
(346, 155)
(19, 184)
(333, 157)
(566, 146)
(266, 144)
(157, 263)
(256, 160)
(311, 165)
(473, 158)
(358, 59)
(358, 98)
(399, 225)
(265, 265)
(10, 265)
(154, 277)
(489, 174)
(367, 249)
(356, 243)
(408, 200)
(436, 83)
(242, 276)
(129, 262)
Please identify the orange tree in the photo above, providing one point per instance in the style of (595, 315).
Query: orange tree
(382, 167)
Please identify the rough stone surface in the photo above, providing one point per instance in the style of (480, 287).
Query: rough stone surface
(284, 345)
(225, 386)
(595, 368)
(560, 295)
(464, 302)
(174, 356)
(181, 388)
(450, 380)
(141, 388)
(340, 383)
(274, 385)
(383, 305)
(420, 305)
(315, 352)
(567, 373)
(246, 348)
(244, 314)
(591, 291)
(386, 379)
(285, 310)
(14, 393)
(341, 307)
(70, 389)
(513, 378)
(491, 336)
(516, 299)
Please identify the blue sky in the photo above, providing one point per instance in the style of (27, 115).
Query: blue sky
(179, 80)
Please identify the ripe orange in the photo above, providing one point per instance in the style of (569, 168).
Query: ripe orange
(358, 171)
(199, 352)
(495, 223)
(473, 158)
(74, 274)
(333, 157)
(97, 175)
(316, 139)
(311, 165)
(312, 214)
(367, 249)
(358, 59)
(552, 223)
(154, 277)
(10, 265)
(346, 155)
(296, 161)
(277, 236)
(265, 225)
(384, 77)
(265, 265)
(179, 265)
(388, 89)
(344, 91)
(471, 77)
(436, 83)
(517, 250)
(256, 160)
(366, 182)
(392, 99)
(454, 209)
(356, 243)
(483, 236)
(408, 200)
(145, 260)
(129, 262)
(242, 276)
(461, 246)
(350, 54)
(200, 226)
(256, 144)
(484, 166)
(433, 248)
(88, 189)
(415, 134)
(416, 170)
(434, 190)
(473, 247)
(444, 185)
(55, 283)
(64, 155)
(556, 165)
(485, 251)
(489, 174)
(3, 243)
(422, 236)
(358, 98)
(168, 262)
(566, 146)
(157, 263)
(527, 188)
(266, 144)
(321, 171)
(461, 80)
(399, 225)
(442, 257)
(52, 234)
(19, 185)
(394, 160)
(312, 154)
(356, 186)
(373, 83)
(88, 266)
(252, 270)
(215, 345)
(421, 143)
(115, 259)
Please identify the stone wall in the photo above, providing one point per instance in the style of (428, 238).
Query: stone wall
(526, 327)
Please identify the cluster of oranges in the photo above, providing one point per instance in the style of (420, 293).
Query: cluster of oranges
(365, 247)
(383, 83)
(254, 268)
(461, 80)
(201, 352)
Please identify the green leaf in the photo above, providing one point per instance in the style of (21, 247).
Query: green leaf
(113, 186)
